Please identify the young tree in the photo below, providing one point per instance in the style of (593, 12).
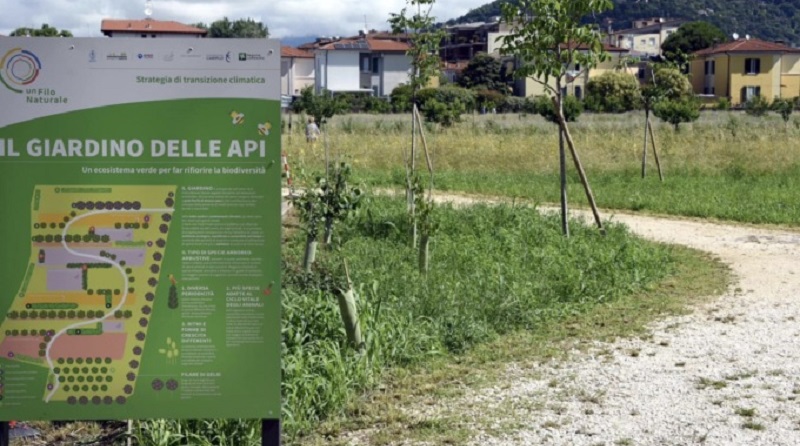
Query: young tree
(424, 41)
(549, 38)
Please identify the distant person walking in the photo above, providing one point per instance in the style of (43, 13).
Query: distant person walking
(312, 131)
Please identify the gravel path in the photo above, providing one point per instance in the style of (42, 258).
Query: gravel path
(726, 374)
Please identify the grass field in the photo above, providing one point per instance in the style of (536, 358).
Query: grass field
(727, 165)
(503, 282)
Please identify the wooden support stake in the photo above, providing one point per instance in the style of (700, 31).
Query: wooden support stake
(644, 146)
(655, 152)
(562, 164)
(579, 167)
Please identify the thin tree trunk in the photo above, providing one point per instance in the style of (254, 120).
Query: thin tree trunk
(328, 231)
(579, 167)
(327, 154)
(655, 152)
(644, 147)
(562, 164)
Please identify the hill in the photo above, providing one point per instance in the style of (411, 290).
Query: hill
(765, 19)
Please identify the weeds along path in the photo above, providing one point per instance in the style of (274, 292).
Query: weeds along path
(726, 374)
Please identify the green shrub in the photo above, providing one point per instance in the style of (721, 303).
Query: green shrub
(613, 92)
(756, 106)
(401, 99)
(677, 111)
(442, 113)
(572, 108)
(723, 104)
(446, 95)
(489, 99)
(783, 107)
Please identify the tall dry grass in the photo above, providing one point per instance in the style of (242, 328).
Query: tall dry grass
(515, 143)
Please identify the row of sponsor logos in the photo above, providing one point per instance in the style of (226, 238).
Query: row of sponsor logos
(228, 56)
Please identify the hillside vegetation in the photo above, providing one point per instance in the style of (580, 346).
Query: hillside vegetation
(765, 19)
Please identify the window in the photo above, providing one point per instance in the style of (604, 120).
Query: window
(144, 36)
(365, 63)
(752, 66)
(643, 41)
(376, 65)
(710, 67)
(705, 89)
(652, 41)
(750, 92)
(578, 91)
(577, 67)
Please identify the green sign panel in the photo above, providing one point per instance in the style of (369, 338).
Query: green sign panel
(140, 197)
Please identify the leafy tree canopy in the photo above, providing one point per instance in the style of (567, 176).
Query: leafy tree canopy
(484, 72)
(613, 92)
(241, 28)
(691, 37)
(45, 31)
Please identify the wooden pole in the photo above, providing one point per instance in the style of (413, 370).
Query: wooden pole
(562, 163)
(579, 167)
(427, 154)
(644, 146)
(655, 152)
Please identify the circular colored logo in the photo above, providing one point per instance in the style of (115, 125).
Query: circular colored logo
(19, 68)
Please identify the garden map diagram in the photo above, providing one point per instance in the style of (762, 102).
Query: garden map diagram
(83, 308)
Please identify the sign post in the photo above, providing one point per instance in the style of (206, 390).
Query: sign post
(140, 194)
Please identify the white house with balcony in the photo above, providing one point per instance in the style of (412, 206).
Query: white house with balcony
(297, 70)
(364, 64)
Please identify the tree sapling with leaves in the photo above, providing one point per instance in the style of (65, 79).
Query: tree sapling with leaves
(549, 39)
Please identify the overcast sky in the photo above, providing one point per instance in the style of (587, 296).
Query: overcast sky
(283, 18)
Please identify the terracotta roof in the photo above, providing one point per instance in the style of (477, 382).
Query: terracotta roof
(387, 45)
(747, 46)
(288, 51)
(366, 44)
(148, 26)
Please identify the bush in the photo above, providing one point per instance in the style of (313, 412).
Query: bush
(783, 107)
(756, 106)
(489, 99)
(401, 98)
(723, 104)
(613, 92)
(572, 108)
(448, 95)
(442, 113)
(677, 111)
(672, 83)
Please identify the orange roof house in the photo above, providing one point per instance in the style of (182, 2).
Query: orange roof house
(745, 68)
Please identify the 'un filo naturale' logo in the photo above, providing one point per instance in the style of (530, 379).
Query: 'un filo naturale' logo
(18, 69)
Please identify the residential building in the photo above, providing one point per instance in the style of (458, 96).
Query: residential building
(577, 76)
(462, 42)
(744, 68)
(366, 63)
(297, 70)
(646, 36)
(149, 28)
